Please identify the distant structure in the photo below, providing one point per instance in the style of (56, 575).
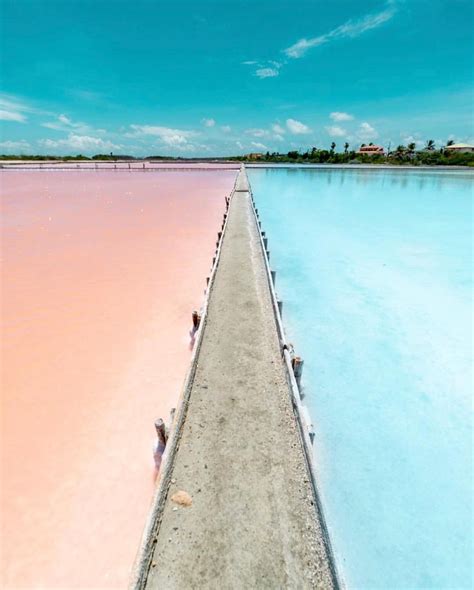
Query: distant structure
(254, 156)
(371, 150)
(460, 148)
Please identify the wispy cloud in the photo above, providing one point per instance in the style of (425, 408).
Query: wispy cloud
(278, 129)
(297, 127)
(338, 116)
(366, 131)
(266, 68)
(13, 109)
(90, 96)
(266, 72)
(176, 138)
(226, 128)
(81, 143)
(350, 29)
(12, 116)
(257, 132)
(259, 146)
(20, 145)
(208, 122)
(64, 123)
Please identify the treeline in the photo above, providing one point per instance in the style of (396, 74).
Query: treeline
(78, 157)
(403, 155)
(105, 157)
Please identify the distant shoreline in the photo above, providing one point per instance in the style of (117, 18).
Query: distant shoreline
(39, 164)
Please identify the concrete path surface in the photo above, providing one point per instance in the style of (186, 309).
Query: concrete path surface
(253, 522)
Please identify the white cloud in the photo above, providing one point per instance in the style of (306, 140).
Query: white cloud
(226, 128)
(208, 122)
(296, 127)
(337, 116)
(239, 145)
(278, 129)
(15, 146)
(65, 120)
(257, 132)
(350, 29)
(267, 72)
(336, 131)
(13, 108)
(177, 138)
(12, 116)
(82, 143)
(64, 123)
(259, 146)
(249, 63)
(366, 131)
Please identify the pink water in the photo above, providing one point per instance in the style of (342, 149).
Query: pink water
(100, 274)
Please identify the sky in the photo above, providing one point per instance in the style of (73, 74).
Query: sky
(225, 77)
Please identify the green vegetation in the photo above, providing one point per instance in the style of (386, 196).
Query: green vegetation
(78, 157)
(402, 155)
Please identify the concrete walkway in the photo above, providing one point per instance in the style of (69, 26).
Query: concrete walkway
(253, 522)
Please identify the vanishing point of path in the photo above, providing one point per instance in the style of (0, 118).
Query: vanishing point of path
(253, 522)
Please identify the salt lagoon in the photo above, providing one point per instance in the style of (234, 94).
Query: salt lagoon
(374, 268)
(101, 271)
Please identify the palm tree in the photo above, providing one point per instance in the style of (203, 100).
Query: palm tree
(333, 146)
(411, 148)
(450, 142)
(430, 145)
(346, 147)
(400, 151)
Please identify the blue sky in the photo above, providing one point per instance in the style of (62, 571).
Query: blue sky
(223, 77)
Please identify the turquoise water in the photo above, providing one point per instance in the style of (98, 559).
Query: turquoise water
(375, 271)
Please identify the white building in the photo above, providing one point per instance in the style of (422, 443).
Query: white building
(460, 148)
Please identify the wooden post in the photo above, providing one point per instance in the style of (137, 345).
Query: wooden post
(267, 252)
(207, 280)
(280, 306)
(273, 275)
(160, 444)
(161, 431)
(263, 234)
(260, 224)
(298, 369)
(265, 242)
(219, 236)
(196, 320)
